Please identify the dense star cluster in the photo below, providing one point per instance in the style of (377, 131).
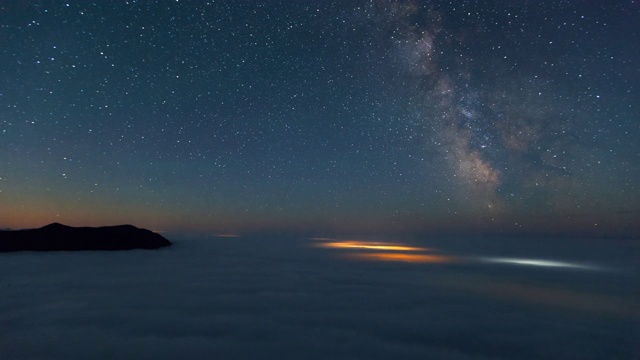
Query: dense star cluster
(372, 115)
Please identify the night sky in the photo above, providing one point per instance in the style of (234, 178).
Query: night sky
(502, 117)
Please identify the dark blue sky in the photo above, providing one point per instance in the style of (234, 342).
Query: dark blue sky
(374, 116)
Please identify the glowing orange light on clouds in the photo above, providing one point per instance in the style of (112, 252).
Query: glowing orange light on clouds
(369, 245)
(400, 257)
(384, 251)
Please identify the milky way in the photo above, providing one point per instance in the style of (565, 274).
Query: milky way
(508, 133)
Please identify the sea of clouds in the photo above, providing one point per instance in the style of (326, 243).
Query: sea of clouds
(284, 297)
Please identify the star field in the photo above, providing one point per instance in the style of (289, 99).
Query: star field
(427, 116)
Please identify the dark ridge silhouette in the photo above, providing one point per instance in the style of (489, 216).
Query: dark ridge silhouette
(58, 237)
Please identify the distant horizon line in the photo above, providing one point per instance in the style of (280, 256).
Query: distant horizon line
(447, 231)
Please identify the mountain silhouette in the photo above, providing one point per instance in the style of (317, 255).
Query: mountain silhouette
(58, 237)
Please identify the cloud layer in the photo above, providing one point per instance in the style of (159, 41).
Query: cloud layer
(282, 298)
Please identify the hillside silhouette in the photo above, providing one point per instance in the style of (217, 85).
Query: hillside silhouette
(58, 237)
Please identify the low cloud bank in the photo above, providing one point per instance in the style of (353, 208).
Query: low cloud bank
(282, 298)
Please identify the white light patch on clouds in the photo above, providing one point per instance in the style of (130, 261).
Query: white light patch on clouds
(539, 262)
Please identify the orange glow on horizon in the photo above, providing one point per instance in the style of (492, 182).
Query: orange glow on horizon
(400, 257)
